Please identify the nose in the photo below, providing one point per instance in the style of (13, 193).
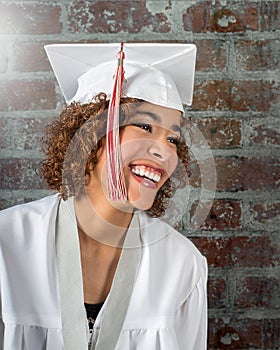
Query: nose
(158, 150)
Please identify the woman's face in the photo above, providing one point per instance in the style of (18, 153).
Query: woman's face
(149, 153)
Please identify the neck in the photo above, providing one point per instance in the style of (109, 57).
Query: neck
(101, 220)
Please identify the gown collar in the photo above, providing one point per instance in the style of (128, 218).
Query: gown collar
(73, 314)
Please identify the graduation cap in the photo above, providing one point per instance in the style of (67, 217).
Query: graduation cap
(84, 70)
(162, 74)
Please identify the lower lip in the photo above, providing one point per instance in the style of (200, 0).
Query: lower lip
(145, 182)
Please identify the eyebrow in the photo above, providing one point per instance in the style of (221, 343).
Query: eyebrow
(157, 118)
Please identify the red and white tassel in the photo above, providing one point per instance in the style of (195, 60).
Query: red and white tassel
(116, 185)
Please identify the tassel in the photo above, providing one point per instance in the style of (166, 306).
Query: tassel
(116, 185)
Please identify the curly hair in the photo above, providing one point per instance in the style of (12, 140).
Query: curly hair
(72, 141)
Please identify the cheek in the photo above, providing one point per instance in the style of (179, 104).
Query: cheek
(131, 149)
(172, 164)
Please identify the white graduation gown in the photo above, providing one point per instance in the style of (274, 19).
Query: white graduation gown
(167, 309)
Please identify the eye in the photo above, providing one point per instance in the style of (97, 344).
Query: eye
(146, 127)
(173, 140)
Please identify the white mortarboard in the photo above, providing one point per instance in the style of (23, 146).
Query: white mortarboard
(162, 74)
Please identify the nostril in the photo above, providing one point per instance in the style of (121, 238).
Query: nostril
(157, 155)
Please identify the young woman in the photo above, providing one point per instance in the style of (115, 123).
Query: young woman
(94, 267)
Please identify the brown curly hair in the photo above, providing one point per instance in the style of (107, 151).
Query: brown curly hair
(72, 142)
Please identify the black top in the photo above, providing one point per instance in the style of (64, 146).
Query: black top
(92, 312)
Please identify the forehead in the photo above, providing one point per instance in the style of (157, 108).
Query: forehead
(168, 118)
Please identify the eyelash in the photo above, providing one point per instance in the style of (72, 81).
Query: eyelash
(173, 140)
(143, 126)
(148, 128)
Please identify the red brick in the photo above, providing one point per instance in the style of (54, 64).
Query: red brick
(258, 55)
(258, 174)
(265, 133)
(216, 250)
(229, 174)
(257, 292)
(217, 293)
(243, 174)
(236, 174)
(197, 17)
(29, 18)
(218, 132)
(254, 95)
(224, 215)
(236, 96)
(265, 212)
(20, 174)
(240, 251)
(28, 132)
(259, 251)
(114, 16)
(271, 333)
(211, 55)
(212, 95)
(30, 57)
(270, 15)
(237, 17)
(250, 15)
(225, 20)
(234, 334)
(27, 95)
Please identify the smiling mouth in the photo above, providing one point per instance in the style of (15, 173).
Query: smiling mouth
(146, 172)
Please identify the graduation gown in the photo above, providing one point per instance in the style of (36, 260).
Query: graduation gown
(162, 307)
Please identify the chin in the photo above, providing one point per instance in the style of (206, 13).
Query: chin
(142, 206)
(141, 197)
(142, 203)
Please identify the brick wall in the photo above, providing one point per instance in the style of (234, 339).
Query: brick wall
(236, 106)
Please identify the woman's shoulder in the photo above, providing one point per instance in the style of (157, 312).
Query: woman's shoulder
(174, 253)
(21, 218)
(154, 231)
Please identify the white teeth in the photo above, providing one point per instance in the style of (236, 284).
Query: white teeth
(147, 174)
(142, 172)
(156, 178)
